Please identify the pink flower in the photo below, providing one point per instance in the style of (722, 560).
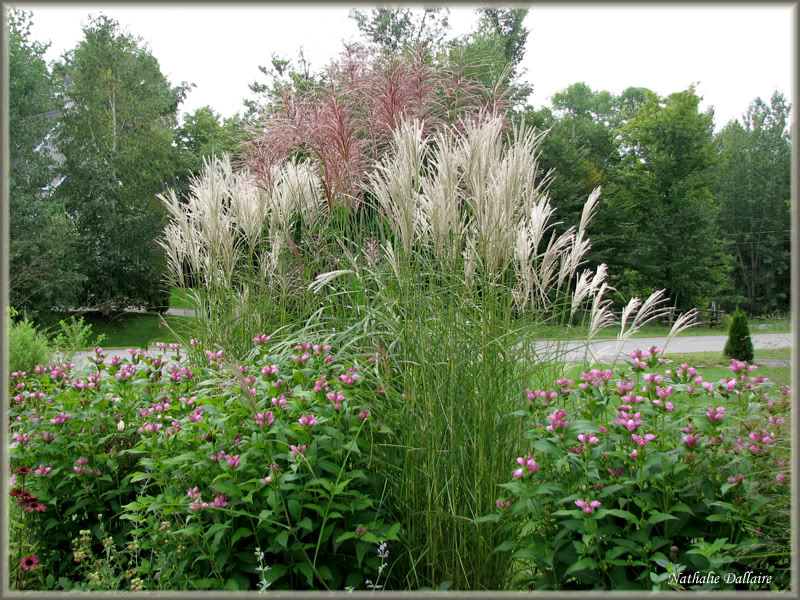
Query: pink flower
(363, 414)
(233, 461)
(587, 506)
(691, 440)
(267, 480)
(220, 501)
(644, 440)
(264, 418)
(735, 478)
(590, 439)
(528, 463)
(780, 477)
(296, 451)
(518, 473)
(502, 505)
(307, 420)
(715, 414)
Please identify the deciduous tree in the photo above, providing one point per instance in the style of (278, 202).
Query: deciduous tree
(116, 135)
(394, 29)
(753, 190)
(662, 204)
(41, 250)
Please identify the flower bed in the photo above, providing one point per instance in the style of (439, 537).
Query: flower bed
(143, 474)
(643, 481)
(235, 476)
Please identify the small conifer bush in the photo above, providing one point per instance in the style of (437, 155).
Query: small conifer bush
(739, 344)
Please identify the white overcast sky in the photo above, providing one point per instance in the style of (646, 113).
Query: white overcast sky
(734, 52)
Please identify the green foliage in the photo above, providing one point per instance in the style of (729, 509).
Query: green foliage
(661, 494)
(42, 272)
(395, 29)
(753, 178)
(580, 149)
(739, 344)
(202, 135)
(664, 180)
(285, 76)
(505, 24)
(27, 347)
(287, 454)
(117, 139)
(73, 337)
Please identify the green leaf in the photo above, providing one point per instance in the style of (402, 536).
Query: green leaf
(582, 564)
(306, 524)
(225, 485)
(305, 569)
(205, 584)
(282, 538)
(616, 512)
(492, 518)
(242, 532)
(546, 447)
(361, 549)
(682, 508)
(716, 517)
(231, 584)
(658, 517)
(294, 508)
(616, 552)
(506, 546)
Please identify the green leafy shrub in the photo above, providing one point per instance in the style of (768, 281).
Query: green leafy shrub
(27, 347)
(180, 472)
(74, 337)
(739, 344)
(672, 477)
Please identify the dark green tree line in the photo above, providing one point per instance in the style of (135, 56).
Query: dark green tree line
(753, 190)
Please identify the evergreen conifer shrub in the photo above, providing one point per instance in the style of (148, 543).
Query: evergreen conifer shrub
(739, 344)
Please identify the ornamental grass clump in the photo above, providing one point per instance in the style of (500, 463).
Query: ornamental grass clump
(665, 490)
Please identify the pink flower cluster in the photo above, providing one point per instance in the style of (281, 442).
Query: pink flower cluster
(320, 348)
(644, 439)
(348, 378)
(297, 451)
(760, 441)
(587, 505)
(715, 414)
(529, 466)
(556, 419)
(269, 370)
(220, 501)
(631, 422)
(264, 418)
(336, 399)
(81, 467)
(307, 420)
(595, 378)
(261, 339)
(545, 396)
